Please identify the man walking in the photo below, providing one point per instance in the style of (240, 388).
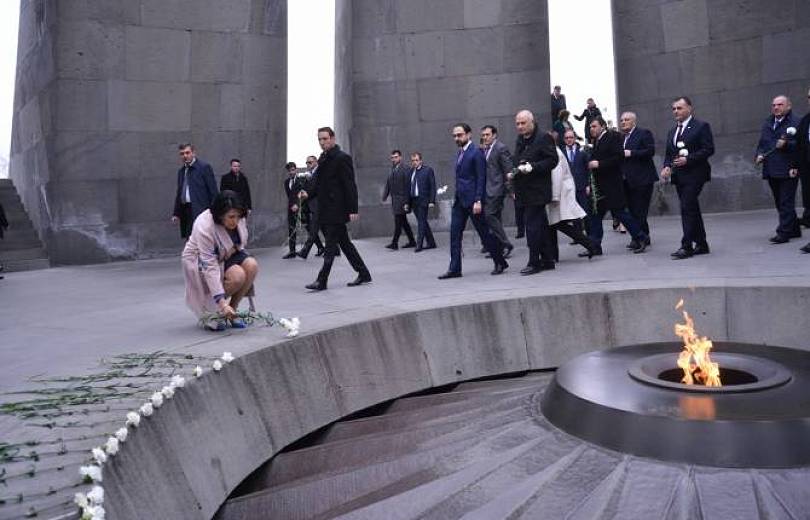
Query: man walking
(686, 162)
(557, 103)
(638, 170)
(423, 197)
(774, 153)
(536, 156)
(291, 188)
(471, 173)
(196, 189)
(801, 167)
(499, 164)
(398, 187)
(311, 212)
(336, 192)
(236, 181)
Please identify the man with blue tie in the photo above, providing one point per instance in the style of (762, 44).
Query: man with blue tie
(471, 176)
(638, 170)
(689, 145)
(423, 197)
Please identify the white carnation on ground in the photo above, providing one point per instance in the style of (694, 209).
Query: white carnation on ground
(111, 446)
(99, 456)
(217, 366)
(80, 499)
(157, 399)
(198, 371)
(177, 382)
(227, 357)
(167, 391)
(122, 433)
(442, 190)
(92, 473)
(133, 419)
(96, 495)
(146, 410)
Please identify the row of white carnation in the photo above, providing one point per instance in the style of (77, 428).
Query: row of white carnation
(91, 504)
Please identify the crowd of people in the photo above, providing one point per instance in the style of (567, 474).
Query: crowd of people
(560, 182)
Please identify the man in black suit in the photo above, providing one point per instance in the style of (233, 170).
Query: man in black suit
(590, 113)
(800, 166)
(605, 165)
(310, 211)
(398, 187)
(423, 197)
(236, 181)
(535, 156)
(686, 162)
(638, 170)
(499, 164)
(336, 192)
(557, 103)
(578, 162)
(775, 152)
(291, 188)
(196, 189)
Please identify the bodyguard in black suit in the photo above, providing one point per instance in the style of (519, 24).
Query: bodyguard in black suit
(336, 192)
(196, 189)
(775, 152)
(689, 145)
(605, 164)
(236, 181)
(423, 197)
(638, 170)
(398, 187)
(800, 165)
(291, 188)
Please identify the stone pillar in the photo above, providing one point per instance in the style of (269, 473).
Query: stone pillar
(419, 66)
(107, 89)
(731, 57)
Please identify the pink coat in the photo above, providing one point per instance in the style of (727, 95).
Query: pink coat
(204, 259)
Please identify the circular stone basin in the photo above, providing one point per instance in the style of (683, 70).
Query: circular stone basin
(630, 399)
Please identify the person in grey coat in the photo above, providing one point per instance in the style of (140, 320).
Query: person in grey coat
(499, 164)
(398, 186)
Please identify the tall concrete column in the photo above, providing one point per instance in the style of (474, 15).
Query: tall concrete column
(732, 57)
(107, 89)
(419, 66)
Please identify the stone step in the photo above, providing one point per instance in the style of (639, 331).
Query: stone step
(31, 253)
(12, 266)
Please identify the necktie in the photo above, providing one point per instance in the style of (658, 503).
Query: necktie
(571, 154)
(489, 150)
(460, 155)
(186, 192)
(678, 134)
(414, 186)
(776, 123)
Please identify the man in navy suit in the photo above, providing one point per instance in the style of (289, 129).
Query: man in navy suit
(196, 189)
(471, 178)
(801, 166)
(774, 153)
(638, 170)
(578, 163)
(686, 163)
(423, 197)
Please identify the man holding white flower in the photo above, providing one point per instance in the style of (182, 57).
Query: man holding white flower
(686, 163)
(777, 143)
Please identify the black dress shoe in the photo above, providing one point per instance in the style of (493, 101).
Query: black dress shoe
(701, 250)
(361, 279)
(632, 245)
(499, 269)
(289, 255)
(392, 246)
(433, 246)
(594, 251)
(779, 239)
(797, 233)
(449, 274)
(805, 249)
(682, 254)
(640, 247)
(530, 269)
(418, 249)
(317, 285)
(302, 254)
(409, 245)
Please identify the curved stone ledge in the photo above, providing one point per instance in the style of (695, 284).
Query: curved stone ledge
(185, 460)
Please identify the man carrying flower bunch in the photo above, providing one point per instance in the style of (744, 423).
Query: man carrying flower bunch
(686, 164)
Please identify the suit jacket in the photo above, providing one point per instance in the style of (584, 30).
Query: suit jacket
(557, 104)
(334, 187)
(425, 179)
(801, 155)
(202, 187)
(398, 186)
(697, 138)
(291, 188)
(639, 169)
(499, 163)
(609, 184)
(579, 167)
(778, 162)
(239, 184)
(539, 150)
(471, 176)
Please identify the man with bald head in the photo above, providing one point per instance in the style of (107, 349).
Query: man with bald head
(777, 143)
(535, 157)
(638, 170)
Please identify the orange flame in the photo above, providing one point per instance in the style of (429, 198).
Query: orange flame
(694, 360)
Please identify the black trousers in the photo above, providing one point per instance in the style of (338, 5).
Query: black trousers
(804, 175)
(186, 220)
(520, 219)
(292, 231)
(401, 224)
(638, 202)
(571, 228)
(784, 197)
(423, 231)
(538, 236)
(313, 228)
(337, 237)
(694, 232)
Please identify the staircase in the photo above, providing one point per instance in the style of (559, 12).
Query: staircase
(20, 248)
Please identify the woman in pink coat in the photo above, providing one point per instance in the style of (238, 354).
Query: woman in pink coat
(217, 269)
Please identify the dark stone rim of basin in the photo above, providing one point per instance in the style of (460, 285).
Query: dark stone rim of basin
(764, 372)
(595, 398)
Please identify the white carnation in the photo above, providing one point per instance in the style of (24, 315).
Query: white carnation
(111, 446)
(167, 391)
(92, 473)
(99, 456)
(122, 433)
(217, 366)
(157, 399)
(227, 357)
(146, 410)
(198, 371)
(178, 381)
(133, 419)
(96, 495)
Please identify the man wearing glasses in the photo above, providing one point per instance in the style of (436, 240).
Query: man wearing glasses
(196, 189)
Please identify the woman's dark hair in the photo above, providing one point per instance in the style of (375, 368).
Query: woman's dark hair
(224, 202)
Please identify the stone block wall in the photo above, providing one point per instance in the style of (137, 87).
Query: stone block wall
(107, 89)
(418, 67)
(732, 57)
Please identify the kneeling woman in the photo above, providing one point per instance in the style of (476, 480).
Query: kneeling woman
(218, 271)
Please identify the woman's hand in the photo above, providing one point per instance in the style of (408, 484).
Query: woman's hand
(226, 311)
